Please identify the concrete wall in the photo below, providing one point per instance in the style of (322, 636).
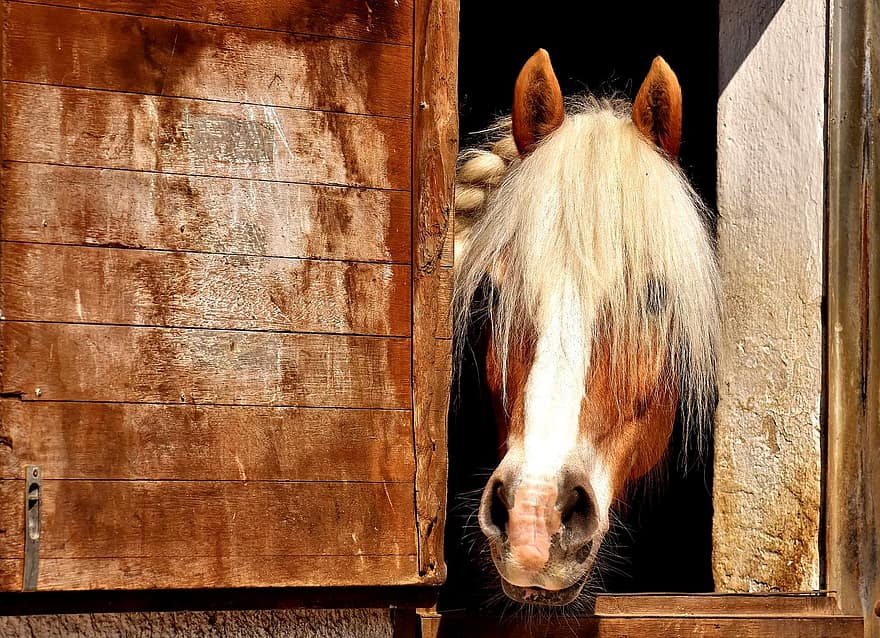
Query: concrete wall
(771, 203)
(350, 623)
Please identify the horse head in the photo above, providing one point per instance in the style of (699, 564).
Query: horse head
(601, 289)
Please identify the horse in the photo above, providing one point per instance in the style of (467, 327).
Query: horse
(581, 243)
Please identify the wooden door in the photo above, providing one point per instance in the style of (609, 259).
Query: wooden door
(225, 279)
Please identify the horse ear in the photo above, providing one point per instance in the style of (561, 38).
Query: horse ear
(657, 107)
(537, 103)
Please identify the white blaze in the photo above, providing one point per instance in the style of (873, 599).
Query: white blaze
(553, 395)
(556, 385)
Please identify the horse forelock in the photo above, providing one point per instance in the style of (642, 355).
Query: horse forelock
(595, 226)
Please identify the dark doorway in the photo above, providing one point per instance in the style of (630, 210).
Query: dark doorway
(664, 542)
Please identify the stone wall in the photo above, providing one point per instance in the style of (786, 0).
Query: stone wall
(771, 204)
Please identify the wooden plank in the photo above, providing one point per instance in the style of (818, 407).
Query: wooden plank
(188, 442)
(435, 144)
(197, 137)
(102, 207)
(717, 605)
(668, 627)
(66, 574)
(216, 599)
(10, 574)
(378, 20)
(138, 287)
(11, 530)
(71, 47)
(852, 479)
(216, 519)
(64, 362)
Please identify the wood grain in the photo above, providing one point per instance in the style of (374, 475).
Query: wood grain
(852, 382)
(164, 365)
(71, 47)
(668, 627)
(102, 207)
(435, 144)
(65, 574)
(188, 442)
(752, 605)
(138, 287)
(181, 519)
(196, 137)
(378, 20)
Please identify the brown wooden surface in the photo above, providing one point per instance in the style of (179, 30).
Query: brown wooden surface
(138, 287)
(83, 127)
(187, 442)
(797, 605)
(72, 47)
(190, 193)
(665, 627)
(102, 207)
(852, 486)
(435, 144)
(61, 574)
(215, 599)
(166, 365)
(672, 615)
(218, 519)
(379, 20)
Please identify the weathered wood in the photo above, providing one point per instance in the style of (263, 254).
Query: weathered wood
(378, 20)
(852, 487)
(668, 627)
(215, 599)
(137, 287)
(752, 605)
(65, 362)
(197, 137)
(407, 599)
(66, 574)
(182, 519)
(72, 47)
(11, 530)
(102, 207)
(187, 442)
(435, 131)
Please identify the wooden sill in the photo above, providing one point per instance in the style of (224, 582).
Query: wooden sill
(808, 615)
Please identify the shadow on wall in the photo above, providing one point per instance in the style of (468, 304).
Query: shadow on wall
(751, 20)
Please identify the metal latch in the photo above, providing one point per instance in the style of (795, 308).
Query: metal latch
(32, 494)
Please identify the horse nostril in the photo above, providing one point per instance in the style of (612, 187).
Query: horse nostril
(577, 506)
(498, 507)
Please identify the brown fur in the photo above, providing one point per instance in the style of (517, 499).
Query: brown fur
(629, 417)
(657, 108)
(538, 109)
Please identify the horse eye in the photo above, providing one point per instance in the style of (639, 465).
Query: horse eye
(655, 296)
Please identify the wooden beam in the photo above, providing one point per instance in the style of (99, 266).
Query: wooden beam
(99, 50)
(435, 144)
(132, 209)
(70, 362)
(852, 493)
(667, 627)
(379, 21)
(83, 127)
(73, 284)
(201, 442)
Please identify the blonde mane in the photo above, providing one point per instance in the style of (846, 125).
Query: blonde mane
(597, 216)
